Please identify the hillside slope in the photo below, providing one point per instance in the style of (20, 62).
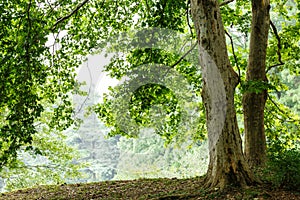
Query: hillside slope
(146, 189)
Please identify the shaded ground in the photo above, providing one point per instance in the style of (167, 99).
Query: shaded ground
(163, 189)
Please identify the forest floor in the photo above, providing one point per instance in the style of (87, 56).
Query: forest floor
(163, 189)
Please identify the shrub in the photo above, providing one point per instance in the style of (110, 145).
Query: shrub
(283, 169)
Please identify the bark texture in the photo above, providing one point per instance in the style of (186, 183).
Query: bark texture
(227, 165)
(254, 103)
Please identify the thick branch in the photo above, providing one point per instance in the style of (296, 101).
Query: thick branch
(278, 46)
(70, 14)
(188, 18)
(28, 45)
(233, 52)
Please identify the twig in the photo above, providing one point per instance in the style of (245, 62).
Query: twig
(148, 7)
(275, 104)
(187, 17)
(180, 59)
(89, 92)
(31, 167)
(183, 45)
(70, 14)
(225, 2)
(278, 46)
(234, 56)
(52, 8)
(27, 44)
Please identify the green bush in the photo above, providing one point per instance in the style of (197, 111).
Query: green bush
(283, 169)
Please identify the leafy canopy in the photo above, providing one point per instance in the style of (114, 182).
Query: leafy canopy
(35, 74)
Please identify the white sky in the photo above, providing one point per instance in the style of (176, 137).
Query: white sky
(90, 71)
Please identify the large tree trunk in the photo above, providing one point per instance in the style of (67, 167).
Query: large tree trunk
(227, 165)
(254, 103)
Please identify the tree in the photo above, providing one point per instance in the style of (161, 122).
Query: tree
(227, 164)
(254, 102)
(257, 83)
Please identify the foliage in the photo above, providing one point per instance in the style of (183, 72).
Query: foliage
(153, 88)
(236, 18)
(289, 95)
(282, 127)
(34, 71)
(255, 86)
(55, 167)
(49, 161)
(283, 169)
(23, 72)
(33, 76)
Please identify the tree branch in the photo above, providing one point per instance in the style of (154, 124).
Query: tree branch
(27, 43)
(181, 58)
(234, 56)
(89, 92)
(70, 14)
(278, 46)
(187, 17)
(284, 113)
(31, 167)
(225, 2)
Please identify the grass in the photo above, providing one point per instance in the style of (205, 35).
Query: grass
(159, 189)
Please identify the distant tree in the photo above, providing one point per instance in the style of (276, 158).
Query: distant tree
(147, 156)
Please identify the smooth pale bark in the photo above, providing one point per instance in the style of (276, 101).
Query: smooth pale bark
(227, 165)
(253, 103)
